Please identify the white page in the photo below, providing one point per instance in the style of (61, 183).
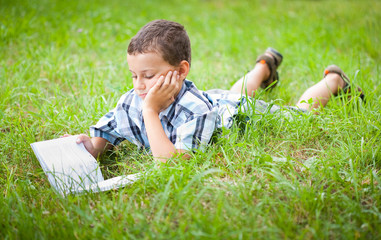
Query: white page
(69, 165)
(112, 183)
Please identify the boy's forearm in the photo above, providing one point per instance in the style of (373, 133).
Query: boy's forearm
(100, 145)
(162, 148)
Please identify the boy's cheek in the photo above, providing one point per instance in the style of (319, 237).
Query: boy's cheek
(152, 83)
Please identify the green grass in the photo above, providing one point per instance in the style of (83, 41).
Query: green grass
(62, 66)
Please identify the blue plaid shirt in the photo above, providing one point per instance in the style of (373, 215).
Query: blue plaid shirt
(189, 122)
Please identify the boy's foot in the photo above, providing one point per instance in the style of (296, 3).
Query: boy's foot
(347, 83)
(273, 59)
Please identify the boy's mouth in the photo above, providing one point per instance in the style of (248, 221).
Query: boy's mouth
(142, 95)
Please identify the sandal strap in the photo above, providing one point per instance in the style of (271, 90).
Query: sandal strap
(276, 55)
(347, 83)
(272, 67)
(338, 70)
(273, 63)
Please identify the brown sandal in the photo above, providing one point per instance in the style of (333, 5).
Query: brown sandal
(273, 63)
(347, 83)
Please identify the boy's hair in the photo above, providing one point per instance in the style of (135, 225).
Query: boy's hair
(163, 37)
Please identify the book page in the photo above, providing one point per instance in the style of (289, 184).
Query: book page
(68, 165)
(112, 183)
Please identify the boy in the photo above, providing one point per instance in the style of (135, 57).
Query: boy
(167, 113)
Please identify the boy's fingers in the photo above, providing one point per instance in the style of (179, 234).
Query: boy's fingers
(86, 140)
(168, 78)
(167, 86)
(173, 77)
(175, 82)
(79, 140)
(158, 83)
(82, 138)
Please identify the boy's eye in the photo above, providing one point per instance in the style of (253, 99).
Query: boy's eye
(149, 77)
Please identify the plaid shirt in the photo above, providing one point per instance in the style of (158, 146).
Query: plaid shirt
(189, 122)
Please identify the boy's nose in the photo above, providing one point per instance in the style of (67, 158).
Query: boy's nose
(139, 84)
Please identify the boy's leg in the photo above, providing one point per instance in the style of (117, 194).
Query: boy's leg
(334, 80)
(252, 81)
(321, 92)
(262, 75)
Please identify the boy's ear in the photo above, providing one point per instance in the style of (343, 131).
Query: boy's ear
(184, 69)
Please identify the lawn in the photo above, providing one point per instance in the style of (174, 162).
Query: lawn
(63, 66)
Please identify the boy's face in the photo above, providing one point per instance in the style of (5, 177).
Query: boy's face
(146, 68)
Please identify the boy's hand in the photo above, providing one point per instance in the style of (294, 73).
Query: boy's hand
(86, 140)
(163, 93)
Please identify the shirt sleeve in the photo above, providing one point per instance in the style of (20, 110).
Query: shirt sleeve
(106, 128)
(197, 132)
(116, 125)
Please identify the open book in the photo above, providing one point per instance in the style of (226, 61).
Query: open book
(72, 169)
